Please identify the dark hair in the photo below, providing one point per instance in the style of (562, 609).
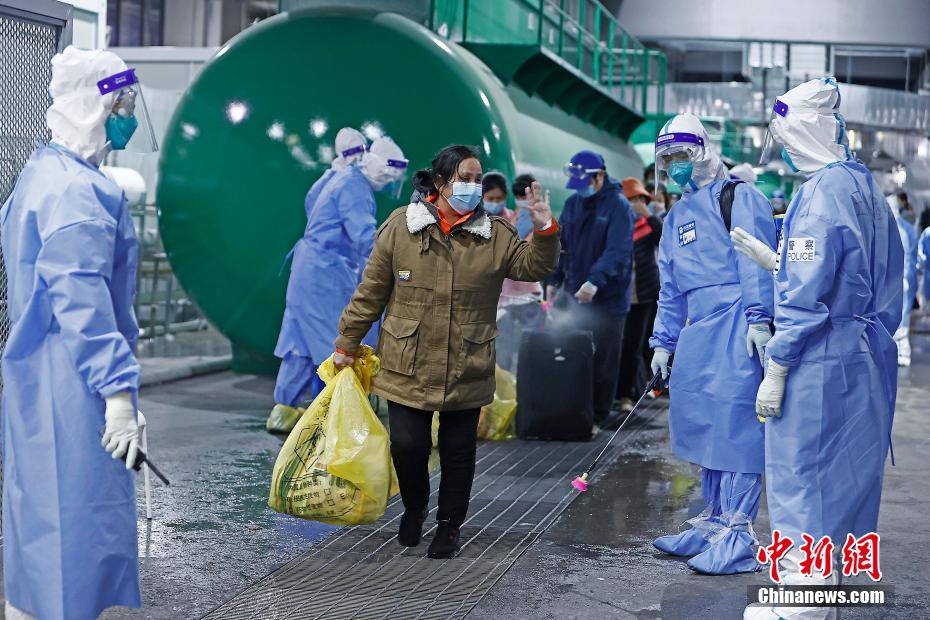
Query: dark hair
(650, 169)
(444, 166)
(493, 180)
(521, 184)
(902, 196)
(924, 220)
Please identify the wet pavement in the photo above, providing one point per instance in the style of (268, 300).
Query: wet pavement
(598, 561)
(213, 536)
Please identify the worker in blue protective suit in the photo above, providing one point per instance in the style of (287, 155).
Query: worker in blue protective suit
(715, 311)
(297, 376)
(69, 373)
(829, 392)
(902, 336)
(327, 265)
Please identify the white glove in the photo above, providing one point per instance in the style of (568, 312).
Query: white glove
(760, 253)
(660, 362)
(771, 391)
(121, 436)
(586, 293)
(758, 338)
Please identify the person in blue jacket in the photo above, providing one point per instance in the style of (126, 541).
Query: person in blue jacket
(596, 266)
(327, 264)
(831, 382)
(70, 250)
(715, 312)
(902, 336)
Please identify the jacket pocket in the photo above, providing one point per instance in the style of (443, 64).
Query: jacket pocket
(477, 358)
(398, 350)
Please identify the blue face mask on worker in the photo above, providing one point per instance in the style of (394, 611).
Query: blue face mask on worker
(681, 172)
(494, 208)
(120, 129)
(465, 197)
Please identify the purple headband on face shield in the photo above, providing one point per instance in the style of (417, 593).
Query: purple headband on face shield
(780, 108)
(358, 149)
(117, 81)
(675, 138)
(397, 163)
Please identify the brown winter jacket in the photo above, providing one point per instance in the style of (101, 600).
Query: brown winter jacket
(439, 297)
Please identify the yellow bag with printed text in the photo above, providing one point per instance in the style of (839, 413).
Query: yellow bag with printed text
(335, 466)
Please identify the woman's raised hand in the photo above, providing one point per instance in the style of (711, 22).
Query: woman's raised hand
(538, 205)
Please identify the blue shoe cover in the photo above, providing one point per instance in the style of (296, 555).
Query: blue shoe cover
(686, 544)
(732, 554)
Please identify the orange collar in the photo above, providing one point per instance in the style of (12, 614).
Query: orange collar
(444, 224)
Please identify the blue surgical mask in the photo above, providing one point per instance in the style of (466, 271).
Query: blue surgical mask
(681, 172)
(494, 208)
(524, 223)
(787, 158)
(465, 197)
(521, 202)
(585, 192)
(119, 130)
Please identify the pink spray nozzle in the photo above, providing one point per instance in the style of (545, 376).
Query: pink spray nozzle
(581, 483)
(546, 305)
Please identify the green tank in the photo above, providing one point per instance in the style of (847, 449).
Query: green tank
(256, 129)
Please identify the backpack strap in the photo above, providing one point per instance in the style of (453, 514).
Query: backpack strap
(726, 202)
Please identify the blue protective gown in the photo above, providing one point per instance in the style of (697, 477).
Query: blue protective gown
(69, 511)
(327, 265)
(719, 292)
(839, 296)
(909, 243)
(923, 260)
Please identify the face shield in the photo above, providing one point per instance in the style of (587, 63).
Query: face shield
(128, 125)
(770, 145)
(676, 155)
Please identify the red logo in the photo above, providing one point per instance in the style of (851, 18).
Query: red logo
(774, 552)
(860, 555)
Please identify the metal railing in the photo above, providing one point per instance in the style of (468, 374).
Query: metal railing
(583, 34)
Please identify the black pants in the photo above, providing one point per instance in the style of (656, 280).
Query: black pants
(608, 336)
(638, 321)
(411, 442)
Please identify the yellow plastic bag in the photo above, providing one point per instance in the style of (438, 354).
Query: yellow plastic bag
(335, 466)
(498, 420)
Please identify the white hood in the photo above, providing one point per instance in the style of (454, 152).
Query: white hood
(812, 130)
(78, 112)
(708, 167)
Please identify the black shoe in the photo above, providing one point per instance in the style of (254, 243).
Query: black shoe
(411, 528)
(445, 542)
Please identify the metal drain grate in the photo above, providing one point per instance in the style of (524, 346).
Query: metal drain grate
(361, 572)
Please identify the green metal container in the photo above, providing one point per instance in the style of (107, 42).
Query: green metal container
(256, 129)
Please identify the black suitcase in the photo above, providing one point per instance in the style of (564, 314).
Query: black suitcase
(555, 393)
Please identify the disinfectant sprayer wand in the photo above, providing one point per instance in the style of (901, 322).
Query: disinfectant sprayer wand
(581, 482)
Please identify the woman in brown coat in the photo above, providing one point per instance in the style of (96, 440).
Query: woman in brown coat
(436, 272)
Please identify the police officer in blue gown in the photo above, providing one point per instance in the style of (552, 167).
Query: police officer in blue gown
(831, 381)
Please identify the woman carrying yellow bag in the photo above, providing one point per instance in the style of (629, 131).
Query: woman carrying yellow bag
(436, 273)
(335, 466)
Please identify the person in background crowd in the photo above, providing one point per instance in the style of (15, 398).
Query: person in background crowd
(644, 291)
(906, 210)
(649, 174)
(902, 336)
(658, 206)
(779, 202)
(519, 306)
(596, 267)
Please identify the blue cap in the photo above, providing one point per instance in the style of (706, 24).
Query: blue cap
(589, 160)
